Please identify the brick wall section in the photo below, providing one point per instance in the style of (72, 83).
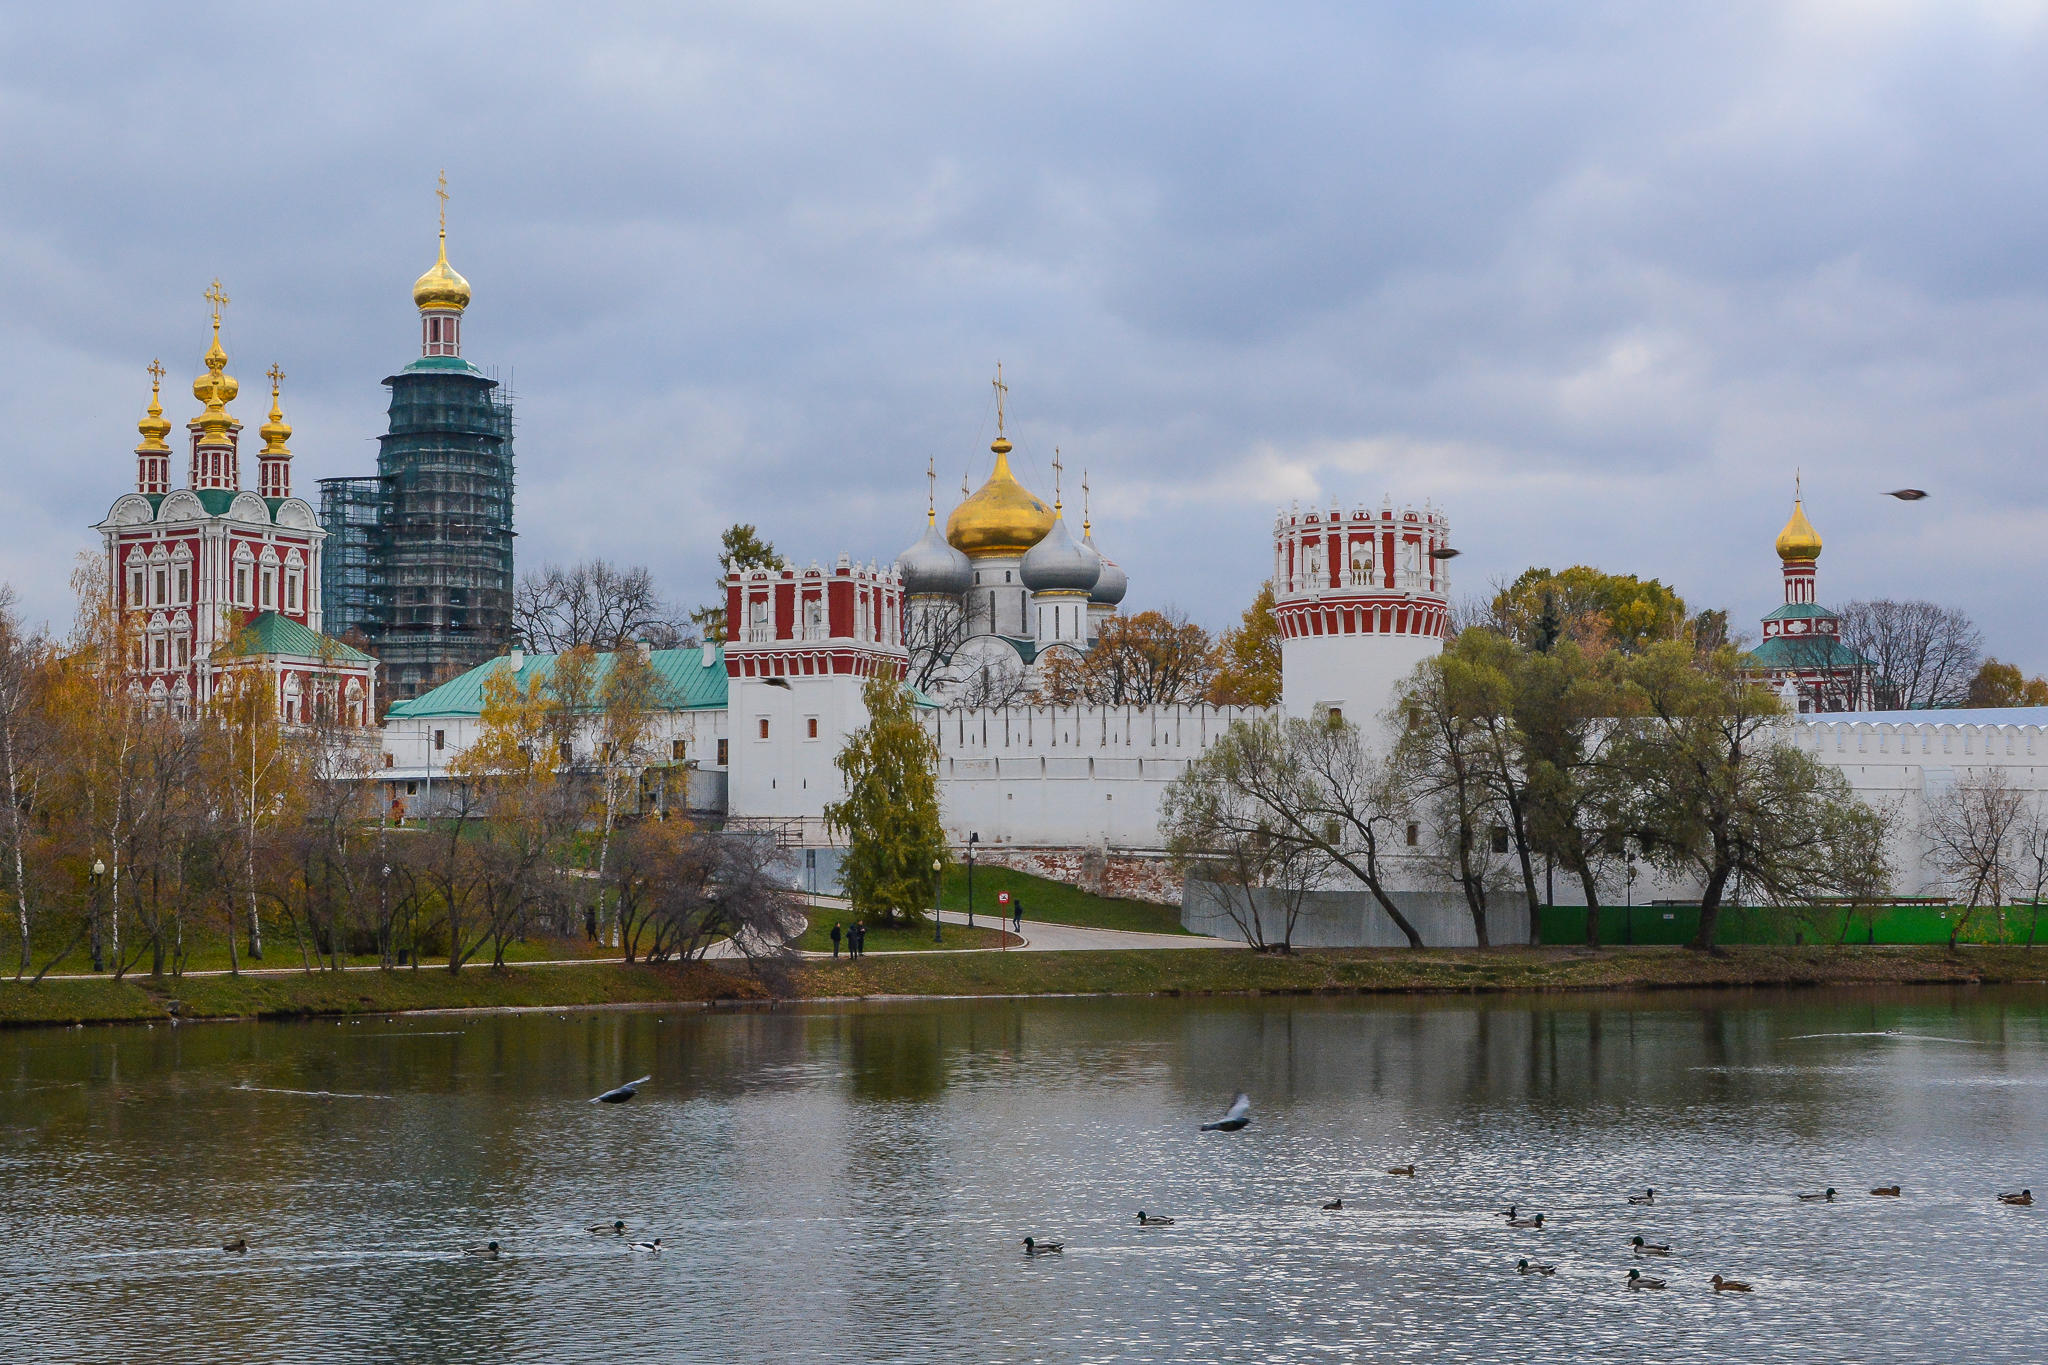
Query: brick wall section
(1130, 876)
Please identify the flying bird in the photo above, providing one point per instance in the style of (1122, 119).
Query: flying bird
(1234, 1118)
(1907, 494)
(1444, 552)
(622, 1093)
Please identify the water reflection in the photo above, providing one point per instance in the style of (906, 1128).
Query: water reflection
(851, 1184)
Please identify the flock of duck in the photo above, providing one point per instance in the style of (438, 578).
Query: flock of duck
(1238, 1117)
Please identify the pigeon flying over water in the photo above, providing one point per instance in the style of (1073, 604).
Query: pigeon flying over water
(1907, 494)
(622, 1093)
(1236, 1117)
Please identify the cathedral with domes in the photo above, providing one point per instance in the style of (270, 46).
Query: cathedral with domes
(988, 604)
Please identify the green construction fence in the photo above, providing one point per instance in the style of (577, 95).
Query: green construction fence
(1777, 924)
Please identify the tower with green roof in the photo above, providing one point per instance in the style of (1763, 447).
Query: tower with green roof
(436, 570)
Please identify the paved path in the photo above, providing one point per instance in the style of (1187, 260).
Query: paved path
(1043, 937)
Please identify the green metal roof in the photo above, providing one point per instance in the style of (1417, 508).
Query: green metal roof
(684, 682)
(1801, 611)
(270, 633)
(442, 364)
(216, 501)
(1808, 652)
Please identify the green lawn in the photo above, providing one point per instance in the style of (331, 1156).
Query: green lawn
(818, 938)
(1055, 902)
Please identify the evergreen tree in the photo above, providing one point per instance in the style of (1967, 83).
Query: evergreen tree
(890, 816)
(741, 548)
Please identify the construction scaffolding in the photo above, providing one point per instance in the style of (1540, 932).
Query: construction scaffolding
(351, 565)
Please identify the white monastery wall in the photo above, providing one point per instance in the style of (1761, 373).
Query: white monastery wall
(1070, 776)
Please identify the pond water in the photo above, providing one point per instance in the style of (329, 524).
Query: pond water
(852, 1183)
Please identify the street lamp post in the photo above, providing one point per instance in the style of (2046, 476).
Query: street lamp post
(384, 908)
(99, 872)
(972, 840)
(938, 926)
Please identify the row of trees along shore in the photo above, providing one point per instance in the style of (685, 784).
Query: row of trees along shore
(137, 839)
(1582, 723)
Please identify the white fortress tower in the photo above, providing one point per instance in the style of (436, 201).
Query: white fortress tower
(1361, 601)
(799, 646)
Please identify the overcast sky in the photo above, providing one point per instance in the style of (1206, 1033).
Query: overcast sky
(1593, 277)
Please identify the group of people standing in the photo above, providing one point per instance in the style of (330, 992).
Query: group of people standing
(856, 940)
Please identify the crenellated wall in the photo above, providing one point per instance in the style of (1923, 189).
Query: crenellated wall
(1072, 776)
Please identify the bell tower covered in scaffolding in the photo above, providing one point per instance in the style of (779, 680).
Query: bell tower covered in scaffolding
(436, 523)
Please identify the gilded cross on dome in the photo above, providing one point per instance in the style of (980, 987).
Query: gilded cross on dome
(1056, 468)
(1001, 390)
(931, 492)
(441, 192)
(1084, 502)
(156, 373)
(216, 296)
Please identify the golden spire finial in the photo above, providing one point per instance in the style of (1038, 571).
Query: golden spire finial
(1001, 445)
(216, 296)
(1057, 505)
(441, 288)
(1084, 504)
(155, 426)
(274, 432)
(931, 492)
(964, 476)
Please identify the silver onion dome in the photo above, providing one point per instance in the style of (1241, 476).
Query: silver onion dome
(1112, 583)
(932, 566)
(1059, 563)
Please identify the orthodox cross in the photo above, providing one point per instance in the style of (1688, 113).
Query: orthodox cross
(931, 491)
(441, 190)
(276, 378)
(1084, 501)
(156, 374)
(1001, 389)
(1056, 467)
(216, 296)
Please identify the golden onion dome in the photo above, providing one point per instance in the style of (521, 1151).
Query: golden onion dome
(155, 426)
(276, 431)
(1798, 543)
(1000, 518)
(216, 389)
(441, 289)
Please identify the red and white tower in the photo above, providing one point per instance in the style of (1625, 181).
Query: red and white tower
(799, 645)
(1361, 599)
(213, 580)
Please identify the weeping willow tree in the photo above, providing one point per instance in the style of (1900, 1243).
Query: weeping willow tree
(890, 817)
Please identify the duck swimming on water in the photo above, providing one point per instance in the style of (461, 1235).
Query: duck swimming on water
(487, 1249)
(1529, 1269)
(1646, 1197)
(1826, 1196)
(1650, 1248)
(1536, 1222)
(1034, 1247)
(1146, 1220)
(617, 1229)
(1638, 1280)
(239, 1244)
(1722, 1286)
(2024, 1197)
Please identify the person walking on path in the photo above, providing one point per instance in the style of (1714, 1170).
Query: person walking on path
(860, 940)
(835, 938)
(1017, 911)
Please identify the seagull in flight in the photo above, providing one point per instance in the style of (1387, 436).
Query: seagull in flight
(622, 1093)
(1234, 1118)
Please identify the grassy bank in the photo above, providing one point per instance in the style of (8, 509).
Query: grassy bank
(1202, 971)
(1054, 902)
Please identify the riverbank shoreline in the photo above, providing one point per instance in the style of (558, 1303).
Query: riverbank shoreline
(1162, 972)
